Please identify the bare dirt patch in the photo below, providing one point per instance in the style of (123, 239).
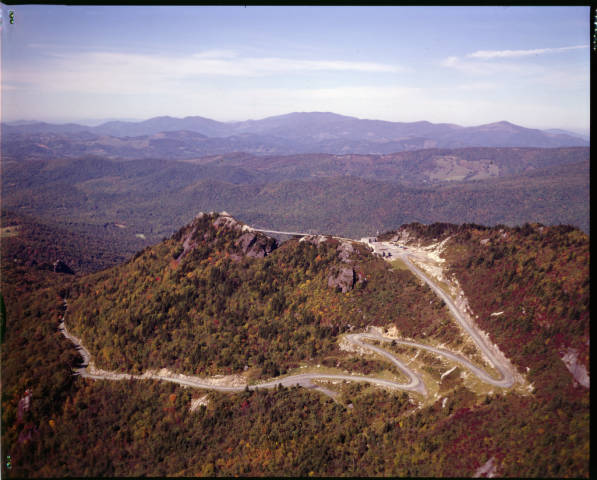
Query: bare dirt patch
(197, 402)
(11, 231)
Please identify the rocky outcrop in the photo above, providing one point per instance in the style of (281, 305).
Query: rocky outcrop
(255, 245)
(314, 239)
(577, 369)
(344, 279)
(209, 228)
(225, 220)
(24, 405)
(344, 251)
(187, 245)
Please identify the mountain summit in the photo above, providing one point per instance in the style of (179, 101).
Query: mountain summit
(315, 132)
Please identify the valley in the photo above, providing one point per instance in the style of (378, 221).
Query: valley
(154, 197)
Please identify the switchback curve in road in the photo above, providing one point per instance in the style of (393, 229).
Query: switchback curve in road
(414, 384)
(507, 378)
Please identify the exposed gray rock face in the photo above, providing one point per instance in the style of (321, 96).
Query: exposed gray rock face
(187, 245)
(344, 251)
(343, 280)
(314, 239)
(577, 369)
(24, 405)
(225, 220)
(256, 245)
(250, 244)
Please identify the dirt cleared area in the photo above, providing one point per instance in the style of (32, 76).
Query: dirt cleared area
(9, 231)
(198, 402)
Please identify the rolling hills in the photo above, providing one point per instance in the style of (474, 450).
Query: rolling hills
(293, 133)
(322, 193)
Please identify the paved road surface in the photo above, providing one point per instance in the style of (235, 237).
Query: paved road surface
(282, 233)
(305, 379)
(507, 378)
(506, 375)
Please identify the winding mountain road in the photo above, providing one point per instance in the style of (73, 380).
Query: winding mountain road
(507, 377)
(304, 379)
(415, 382)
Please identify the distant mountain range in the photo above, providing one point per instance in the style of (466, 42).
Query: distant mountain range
(566, 132)
(294, 133)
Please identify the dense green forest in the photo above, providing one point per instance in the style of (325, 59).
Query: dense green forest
(80, 427)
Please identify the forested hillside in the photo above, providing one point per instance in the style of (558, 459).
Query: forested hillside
(538, 276)
(83, 248)
(529, 287)
(54, 424)
(214, 299)
(152, 198)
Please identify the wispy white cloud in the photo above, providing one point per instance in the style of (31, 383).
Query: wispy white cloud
(477, 67)
(450, 62)
(481, 62)
(216, 53)
(476, 86)
(8, 87)
(45, 46)
(132, 73)
(488, 54)
(119, 72)
(116, 84)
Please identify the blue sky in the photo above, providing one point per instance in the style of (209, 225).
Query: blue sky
(463, 65)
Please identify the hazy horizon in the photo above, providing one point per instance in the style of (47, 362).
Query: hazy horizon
(88, 122)
(464, 65)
